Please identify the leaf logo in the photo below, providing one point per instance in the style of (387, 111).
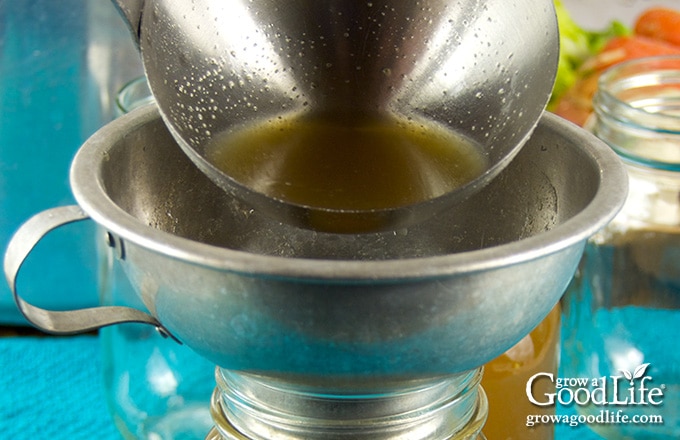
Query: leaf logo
(637, 373)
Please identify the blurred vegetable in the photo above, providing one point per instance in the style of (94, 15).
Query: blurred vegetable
(656, 32)
(576, 46)
(627, 48)
(661, 24)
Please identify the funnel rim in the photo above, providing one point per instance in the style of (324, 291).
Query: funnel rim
(90, 194)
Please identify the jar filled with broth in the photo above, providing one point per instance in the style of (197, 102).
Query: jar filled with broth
(505, 383)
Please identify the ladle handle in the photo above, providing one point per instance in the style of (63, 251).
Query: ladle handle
(131, 11)
(61, 322)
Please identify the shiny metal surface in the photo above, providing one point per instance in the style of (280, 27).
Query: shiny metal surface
(255, 295)
(484, 68)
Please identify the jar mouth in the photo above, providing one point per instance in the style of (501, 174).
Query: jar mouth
(252, 406)
(642, 97)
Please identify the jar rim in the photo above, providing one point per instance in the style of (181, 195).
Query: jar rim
(642, 98)
(657, 79)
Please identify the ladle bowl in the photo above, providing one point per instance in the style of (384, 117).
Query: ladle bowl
(483, 69)
(255, 295)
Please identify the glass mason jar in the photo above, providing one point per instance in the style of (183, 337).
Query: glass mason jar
(505, 383)
(255, 407)
(622, 310)
(135, 93)
(155, 388)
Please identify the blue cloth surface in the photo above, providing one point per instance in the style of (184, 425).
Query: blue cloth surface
(51, 388)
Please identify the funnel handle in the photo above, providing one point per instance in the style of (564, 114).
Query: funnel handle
(61, 322)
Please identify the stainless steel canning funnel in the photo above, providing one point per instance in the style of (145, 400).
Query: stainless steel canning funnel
(483, 68)
(255, 295)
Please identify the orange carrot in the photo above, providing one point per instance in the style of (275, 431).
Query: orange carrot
(659, 23)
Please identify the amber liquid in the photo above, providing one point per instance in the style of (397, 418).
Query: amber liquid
(352, 164)
(505, 379)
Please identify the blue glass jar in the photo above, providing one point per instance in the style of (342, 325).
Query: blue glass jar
(622, 311)
(156, 389)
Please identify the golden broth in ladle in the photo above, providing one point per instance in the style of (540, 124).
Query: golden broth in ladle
(347, 164)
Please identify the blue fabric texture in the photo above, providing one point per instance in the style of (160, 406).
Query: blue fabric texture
(51, 388)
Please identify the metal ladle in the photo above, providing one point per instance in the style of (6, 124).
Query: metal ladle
(482, 68)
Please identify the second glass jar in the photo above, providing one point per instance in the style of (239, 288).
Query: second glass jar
(622, 311)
